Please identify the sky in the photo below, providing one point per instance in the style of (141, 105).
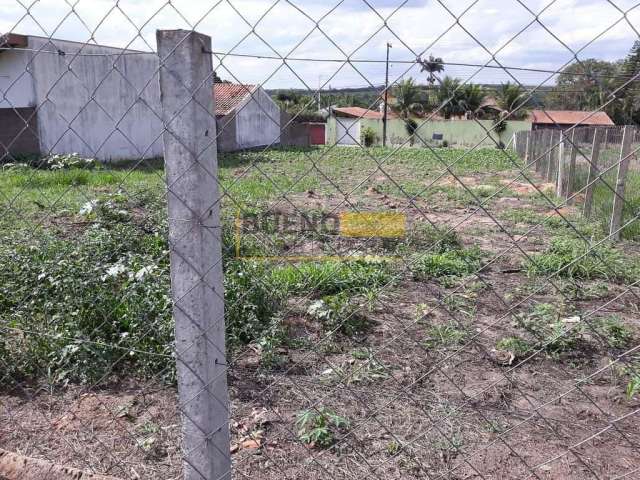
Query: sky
(316, 37)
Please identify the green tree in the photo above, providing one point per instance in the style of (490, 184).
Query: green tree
(471, 98)
(449, 96)
(432, 65)
(512, 98)
(407, 98)
(587, 85)
(627, 107)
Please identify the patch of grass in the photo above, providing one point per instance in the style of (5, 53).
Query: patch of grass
(446, 335)
(424, 236)
(319, 427)
(448, 266)
(545, 323)
(556, 331)
(603, 197)
(330, 277)
(571, 257)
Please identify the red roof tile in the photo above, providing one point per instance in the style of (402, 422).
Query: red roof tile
(570, 117)
(359, 112)
(229, 95)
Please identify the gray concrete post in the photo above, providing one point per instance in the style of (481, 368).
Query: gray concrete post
(561, 176)
(571, 173)
(550, 151)
(188, 113)
(623, 168)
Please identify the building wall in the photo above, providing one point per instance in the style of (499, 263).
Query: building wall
(226, 133)
(293, 133)
(18, 133)
(123, 119)
(257, 121)
(16, 80)
(466, 133)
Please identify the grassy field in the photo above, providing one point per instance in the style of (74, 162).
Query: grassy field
(493, 335)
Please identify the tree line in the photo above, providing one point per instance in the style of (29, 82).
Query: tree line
(588, 85)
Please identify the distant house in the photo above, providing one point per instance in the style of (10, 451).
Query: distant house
(349, 122)
(564, 119)
(246, 117)
(58, 97)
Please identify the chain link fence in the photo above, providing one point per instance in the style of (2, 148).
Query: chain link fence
(186, 294)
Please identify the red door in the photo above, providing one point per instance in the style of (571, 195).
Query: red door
(316, 133)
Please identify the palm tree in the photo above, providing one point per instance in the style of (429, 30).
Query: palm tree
(513, 99)
(432, 65)
(471, 99)
(407, 98)
(450, 97)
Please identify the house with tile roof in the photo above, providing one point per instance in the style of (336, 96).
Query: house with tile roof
(246, 117)
(564, 119)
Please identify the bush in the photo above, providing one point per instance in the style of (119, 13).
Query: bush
(368, 136)
(80, 310)
(338, 312)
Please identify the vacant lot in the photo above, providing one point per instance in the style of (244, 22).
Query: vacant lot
(497, 338)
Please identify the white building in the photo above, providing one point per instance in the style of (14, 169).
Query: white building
(58, 96)
(246, 117)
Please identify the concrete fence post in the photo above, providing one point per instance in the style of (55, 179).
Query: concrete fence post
(623, 168)
(188, 114)
(598, 136)
(561, 177)
(571, 172)
(549, 156)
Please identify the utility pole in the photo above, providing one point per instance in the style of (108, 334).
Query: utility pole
(386, 98)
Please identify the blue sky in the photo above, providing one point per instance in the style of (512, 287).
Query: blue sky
(331, 29)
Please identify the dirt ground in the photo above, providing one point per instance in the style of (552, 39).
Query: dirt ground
(416, 409)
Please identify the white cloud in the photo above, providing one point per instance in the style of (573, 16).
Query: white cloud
(282, 29)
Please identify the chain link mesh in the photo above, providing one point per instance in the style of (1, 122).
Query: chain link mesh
(466, 309)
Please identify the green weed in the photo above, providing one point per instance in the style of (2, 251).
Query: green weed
(338, 312)
(448, 266)
(320, 426)
(445, 335)
(516, 345)
(330, 277)
(571, 257)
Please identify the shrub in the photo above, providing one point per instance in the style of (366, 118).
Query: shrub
(338, 312)
(516, 345)
(97, 304)
(368, 136)
(80, 309)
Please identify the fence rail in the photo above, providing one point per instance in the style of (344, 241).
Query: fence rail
(183, 296)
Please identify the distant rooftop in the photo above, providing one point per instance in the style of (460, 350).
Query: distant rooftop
(229, 95)
(570, 117)
(359, 112)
